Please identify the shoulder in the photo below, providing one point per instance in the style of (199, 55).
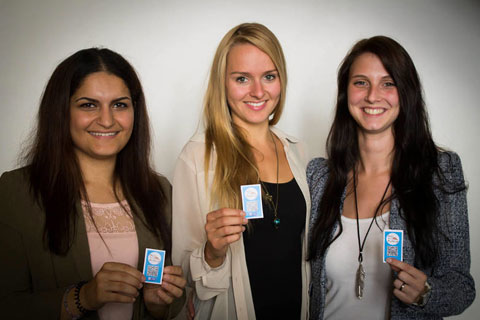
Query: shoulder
(164, 184)
(14, 184)
(194, 150)
(317, 167)
(449, 161)
(450, 167)
(282, 135)
(18, 207)
(294, 146)
(14, 177)
(317, 174)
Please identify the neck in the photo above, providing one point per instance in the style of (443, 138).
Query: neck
(258, 136)
(96, 172)
(376, 152)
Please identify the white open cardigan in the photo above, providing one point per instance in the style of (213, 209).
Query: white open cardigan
(223, 292)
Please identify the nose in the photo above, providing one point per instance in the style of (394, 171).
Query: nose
(105, 118)
(257, 89)
(373, 95)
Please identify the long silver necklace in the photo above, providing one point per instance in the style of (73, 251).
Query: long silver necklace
(268, 196)
(360, 277)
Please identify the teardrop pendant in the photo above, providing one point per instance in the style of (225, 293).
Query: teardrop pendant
(360, 281)
(276, 223)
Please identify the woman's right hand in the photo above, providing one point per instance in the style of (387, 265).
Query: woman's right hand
(224, 226)
(115, 282)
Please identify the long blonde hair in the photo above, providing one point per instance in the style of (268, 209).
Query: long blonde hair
(235, 162)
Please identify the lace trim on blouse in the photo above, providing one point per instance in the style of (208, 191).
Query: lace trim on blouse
(109, 217)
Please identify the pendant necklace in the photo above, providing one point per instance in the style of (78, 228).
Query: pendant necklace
(360, 276)
(268, 196)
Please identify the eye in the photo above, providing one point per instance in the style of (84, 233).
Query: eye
(270, 77)
(120, 105)
(360, 83)
(241, 79)
(87, 105)
(389, 84)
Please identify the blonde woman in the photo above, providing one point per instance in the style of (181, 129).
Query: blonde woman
(260, 273)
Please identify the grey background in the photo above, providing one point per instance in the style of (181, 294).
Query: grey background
(171, 45)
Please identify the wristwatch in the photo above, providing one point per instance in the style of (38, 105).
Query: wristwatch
(423, 298)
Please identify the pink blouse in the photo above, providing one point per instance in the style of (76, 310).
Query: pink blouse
(115, 225)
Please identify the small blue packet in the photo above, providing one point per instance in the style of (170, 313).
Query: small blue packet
(392, 244)
(153, 265)
(252, 201)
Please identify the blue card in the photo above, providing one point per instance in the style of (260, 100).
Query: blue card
(153, 265)
(393, 244)
(252, 201)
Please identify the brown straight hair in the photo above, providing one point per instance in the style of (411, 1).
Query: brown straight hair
(53, 170)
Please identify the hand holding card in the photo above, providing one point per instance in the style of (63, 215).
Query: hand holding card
(157, 297)
(410, 282)
(223, 227)
(115, 282)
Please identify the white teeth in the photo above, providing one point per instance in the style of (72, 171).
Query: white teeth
(256, 104)
(374, 110)
(103, 134)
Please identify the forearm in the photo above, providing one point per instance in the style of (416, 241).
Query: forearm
(213, 260)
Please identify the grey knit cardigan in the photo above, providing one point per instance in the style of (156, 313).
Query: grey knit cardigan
(453, 288)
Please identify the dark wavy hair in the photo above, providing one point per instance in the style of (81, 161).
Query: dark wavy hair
(54, 173)
(415, 160)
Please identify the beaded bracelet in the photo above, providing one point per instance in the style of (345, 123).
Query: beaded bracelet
(65, 303)
(80, 308)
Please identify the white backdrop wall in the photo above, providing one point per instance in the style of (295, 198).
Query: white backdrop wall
(171, 45)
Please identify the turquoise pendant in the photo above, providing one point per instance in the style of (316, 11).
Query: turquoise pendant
(276, 223)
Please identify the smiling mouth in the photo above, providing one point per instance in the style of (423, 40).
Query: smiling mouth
(256, 105)
(373, 111)
(103, 134)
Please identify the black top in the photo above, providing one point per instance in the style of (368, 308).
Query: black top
(274, 256)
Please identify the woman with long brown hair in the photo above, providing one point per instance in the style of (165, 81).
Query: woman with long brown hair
(241, 146)
(384, 171)
(76, 220)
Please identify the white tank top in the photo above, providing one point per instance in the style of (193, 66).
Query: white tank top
(341, 266)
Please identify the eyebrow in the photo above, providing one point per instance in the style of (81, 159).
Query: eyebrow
(95, 100)
(247, 73)
(364, 76)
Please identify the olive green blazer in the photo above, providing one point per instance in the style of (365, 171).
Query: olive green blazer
(33, 279)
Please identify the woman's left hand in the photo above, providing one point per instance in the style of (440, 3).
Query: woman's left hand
(410, 283)
(157, 297)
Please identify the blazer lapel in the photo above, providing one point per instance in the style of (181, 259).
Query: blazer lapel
(80, 249)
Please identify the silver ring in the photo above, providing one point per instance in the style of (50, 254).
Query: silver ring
(402, 286)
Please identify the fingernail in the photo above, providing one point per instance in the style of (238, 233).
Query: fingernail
(389, 260)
